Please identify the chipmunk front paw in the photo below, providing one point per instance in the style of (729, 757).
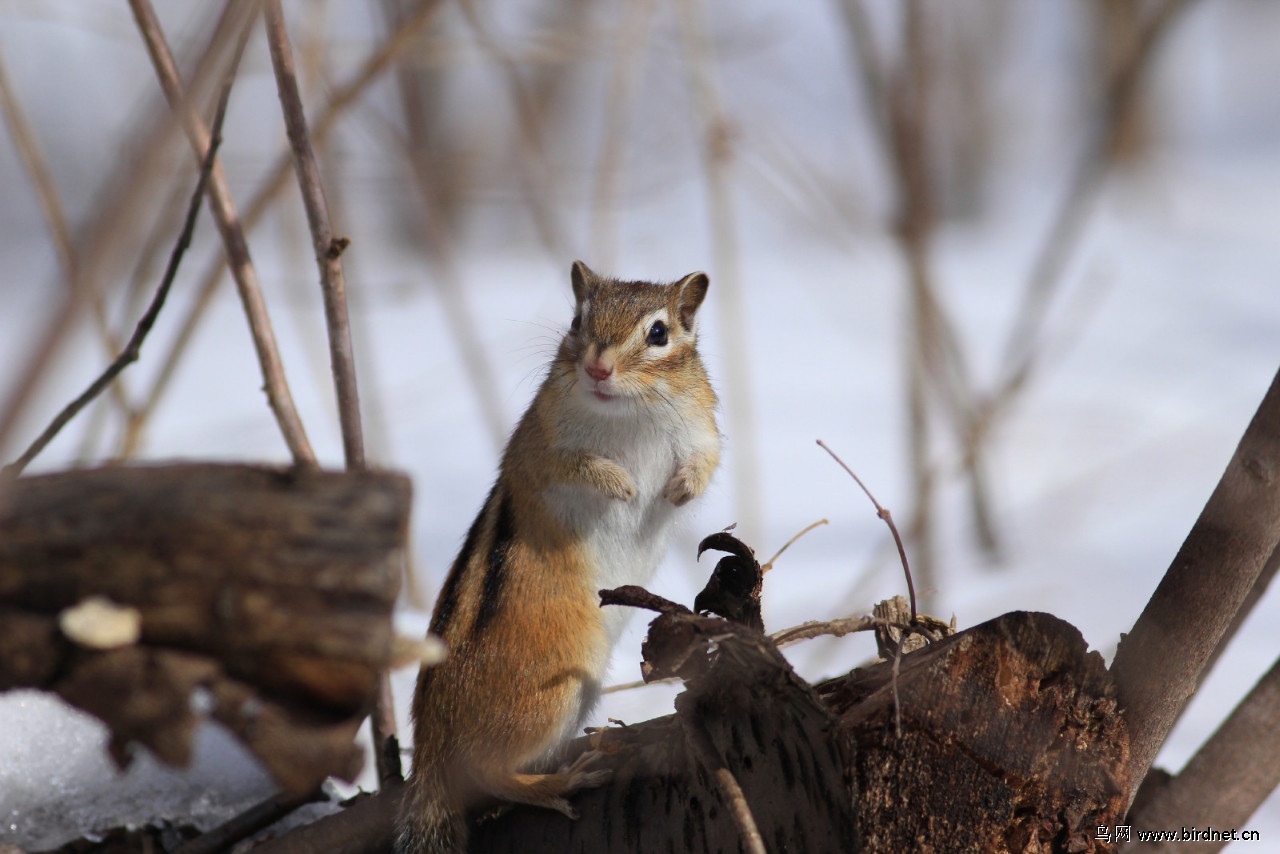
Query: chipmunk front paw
(611, 479)
(689, 481)
(684, 486)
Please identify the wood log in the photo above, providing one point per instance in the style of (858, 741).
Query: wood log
(263, 599)
(1004, 737)
(1010, 741)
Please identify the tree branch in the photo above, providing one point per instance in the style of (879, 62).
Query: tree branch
(224, 213)
(1158, 666)
(130, 353)
(328, 251)
(374, 65)
(1230, 775)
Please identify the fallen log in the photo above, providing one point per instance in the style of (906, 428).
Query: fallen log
(260, 597)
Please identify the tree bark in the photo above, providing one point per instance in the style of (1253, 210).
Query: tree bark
(261, 596)
(1009, 741)
(1004, 737)
(1227, 779)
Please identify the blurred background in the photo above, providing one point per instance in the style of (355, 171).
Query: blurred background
(1016, 262)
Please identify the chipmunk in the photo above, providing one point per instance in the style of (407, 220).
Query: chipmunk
(621, 434)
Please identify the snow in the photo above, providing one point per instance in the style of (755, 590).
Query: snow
(1160, 349)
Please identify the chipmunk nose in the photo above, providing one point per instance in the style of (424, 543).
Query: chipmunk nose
(599, 370)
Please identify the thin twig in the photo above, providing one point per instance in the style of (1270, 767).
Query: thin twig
(535, 173)
(899, 102)
(258, 817)
(342, 98)
(769, 564)
(627, 51)
(106, 233)
(833, 628)
(883, 513)
(741, 811)
(328, 251)
(328, 248)
(1121, 98)
(134, 347)
(1022, 355)
(717, 148)
(631, 686)
(229, 225)
(145, 270)
(55, 215)
(441, 254)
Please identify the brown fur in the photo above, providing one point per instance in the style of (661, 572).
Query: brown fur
(519, 612)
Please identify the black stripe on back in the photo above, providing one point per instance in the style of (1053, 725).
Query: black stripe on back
(495, 577)
(448, 601)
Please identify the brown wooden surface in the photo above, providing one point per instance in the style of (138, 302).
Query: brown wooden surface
(1225, 781)
(1010, 741)
(265, 596)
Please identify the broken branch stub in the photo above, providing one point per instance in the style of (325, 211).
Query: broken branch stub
(733, 590)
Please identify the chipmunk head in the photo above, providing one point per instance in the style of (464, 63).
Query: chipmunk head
(631, 342)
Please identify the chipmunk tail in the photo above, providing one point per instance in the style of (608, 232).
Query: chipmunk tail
(428, 822)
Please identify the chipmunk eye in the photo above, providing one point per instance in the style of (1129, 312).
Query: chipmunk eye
(657, 334)
(576, 325)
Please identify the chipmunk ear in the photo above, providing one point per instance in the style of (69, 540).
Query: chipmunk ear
(691, 291)
(582, 278)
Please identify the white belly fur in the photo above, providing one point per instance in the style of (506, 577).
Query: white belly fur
(625, 540)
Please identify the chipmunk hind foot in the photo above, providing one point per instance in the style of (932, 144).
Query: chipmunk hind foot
(550, 791)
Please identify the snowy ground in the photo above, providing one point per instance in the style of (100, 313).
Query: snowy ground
(1098, 476)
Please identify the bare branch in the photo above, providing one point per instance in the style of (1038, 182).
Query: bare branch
(440, 252)
(342, 98)
(231, 228)
(1230, 776)
(626, 53)
(834, 628)
(768, 565)
(103, 239)
(328, 248)
(328, 251)
(883, 513)
(28, 149)
(256, 818)
(1068, 224)
(717, 139)
(630, 686)
(741, 811)
(535, 174)
(134, 347)
(1159, 664)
